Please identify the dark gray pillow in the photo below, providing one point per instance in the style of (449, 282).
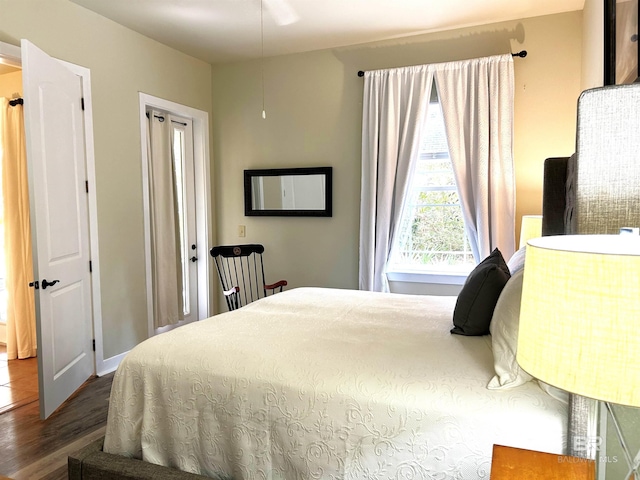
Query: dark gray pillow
(479, 295)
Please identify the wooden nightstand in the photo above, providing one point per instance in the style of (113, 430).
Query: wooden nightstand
(509, 463)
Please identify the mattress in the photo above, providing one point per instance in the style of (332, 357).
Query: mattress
(324, 383)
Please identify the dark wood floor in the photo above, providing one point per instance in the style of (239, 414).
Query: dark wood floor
(25, 439)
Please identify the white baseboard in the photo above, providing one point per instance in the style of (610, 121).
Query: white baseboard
(109, 365)
(102, 368)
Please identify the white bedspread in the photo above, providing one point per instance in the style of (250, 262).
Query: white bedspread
(324, 383)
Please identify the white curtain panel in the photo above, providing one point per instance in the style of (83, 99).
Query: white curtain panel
(165, 243)
(21, 316)
(395, 103)
(477, 105)
(477, 102)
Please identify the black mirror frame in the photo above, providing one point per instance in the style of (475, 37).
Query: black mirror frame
(249, 211)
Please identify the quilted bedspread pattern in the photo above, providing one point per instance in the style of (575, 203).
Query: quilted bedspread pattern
(327, 384)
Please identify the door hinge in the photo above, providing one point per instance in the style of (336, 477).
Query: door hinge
(82, 102)
(90, 266)
(86, 185)
(94, 344)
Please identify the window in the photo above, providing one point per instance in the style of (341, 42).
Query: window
(182, 145)
(178, 167)
(432, 238)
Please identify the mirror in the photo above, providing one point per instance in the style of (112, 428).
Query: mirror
(300, 192)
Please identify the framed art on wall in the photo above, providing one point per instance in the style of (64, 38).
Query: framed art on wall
(621, 54)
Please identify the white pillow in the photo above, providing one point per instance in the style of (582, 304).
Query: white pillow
(504, 336)
(555, 392)
(516, 262)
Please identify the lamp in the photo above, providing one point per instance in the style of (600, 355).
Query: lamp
(531, 227)
(579, 318)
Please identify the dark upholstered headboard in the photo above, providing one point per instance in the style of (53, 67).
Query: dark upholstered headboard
(554, 196)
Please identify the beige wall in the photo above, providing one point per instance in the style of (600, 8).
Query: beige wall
(11, 83)
(314, 111)
(592, 44)
(547, 91)
(122, 63)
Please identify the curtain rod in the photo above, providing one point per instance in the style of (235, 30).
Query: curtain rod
(16, 101)
(161, 118)
(520, 54)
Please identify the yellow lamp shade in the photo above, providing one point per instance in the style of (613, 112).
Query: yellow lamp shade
(580, 315)
(531, 227)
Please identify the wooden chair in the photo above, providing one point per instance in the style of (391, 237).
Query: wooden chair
(241, 274)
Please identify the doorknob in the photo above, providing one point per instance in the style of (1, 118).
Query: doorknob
(46, 284)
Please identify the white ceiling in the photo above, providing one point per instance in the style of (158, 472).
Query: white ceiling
(229, 30)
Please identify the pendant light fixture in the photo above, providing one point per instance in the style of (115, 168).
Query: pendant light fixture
(282, 14)
(264, 113)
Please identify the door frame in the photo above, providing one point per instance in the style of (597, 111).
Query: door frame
(200, 121)
(100, 366)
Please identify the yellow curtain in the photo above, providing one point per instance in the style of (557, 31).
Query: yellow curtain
(21, 318)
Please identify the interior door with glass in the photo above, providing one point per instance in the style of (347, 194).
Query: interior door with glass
(182, 149)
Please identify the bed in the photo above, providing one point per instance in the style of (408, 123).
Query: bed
(326, 383)
(270, 392)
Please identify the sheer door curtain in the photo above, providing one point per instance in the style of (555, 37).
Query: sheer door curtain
(166, 260)
(21, 317)
(477, 103)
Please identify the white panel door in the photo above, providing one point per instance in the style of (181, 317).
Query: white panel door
(60, 225)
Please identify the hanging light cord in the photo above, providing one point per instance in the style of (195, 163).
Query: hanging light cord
(264, 113)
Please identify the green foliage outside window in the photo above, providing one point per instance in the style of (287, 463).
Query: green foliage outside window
(436, 232)
(433, 230)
